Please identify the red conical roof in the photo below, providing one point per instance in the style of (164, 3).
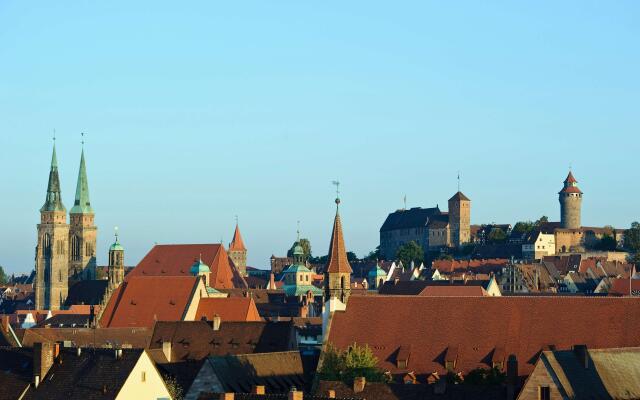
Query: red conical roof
(570, 178)
(237, 244)
(337, 261)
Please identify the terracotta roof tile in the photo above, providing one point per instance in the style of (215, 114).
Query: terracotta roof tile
(176, 260)
(478, 325)
(142, 300)
(229, 309)
(337, 261)
(237, 244)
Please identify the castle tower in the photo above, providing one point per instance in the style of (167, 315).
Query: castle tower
(82, 232)
(460, 219)
(116, 264)
(337, 273)
(570, 198)
(238, 252)
(52, 259)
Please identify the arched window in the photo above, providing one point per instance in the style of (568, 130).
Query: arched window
(46, 245)
(75, 248)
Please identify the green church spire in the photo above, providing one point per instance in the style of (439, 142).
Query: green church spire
(82, 204)
(54, 195)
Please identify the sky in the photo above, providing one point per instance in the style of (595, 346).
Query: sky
(199, 111)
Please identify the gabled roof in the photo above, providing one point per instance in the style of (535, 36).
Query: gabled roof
(570, 178)
(228, 309)
(94, 374)
(89, 337)
(610, 374)
(337, 261)
(177, 259)
(277, 371)
(476, 326)
(454, 290)
(459, 196)
(237, 244)
(413, 218)
(141, 300)
(197, 340)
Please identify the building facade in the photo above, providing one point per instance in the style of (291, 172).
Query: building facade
(64, 252)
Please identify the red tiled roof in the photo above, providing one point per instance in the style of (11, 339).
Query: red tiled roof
(459, 196)
(177, 259)
(142, 300)
(570, 178)
(485, 266)
(453, 290)
(229, 309)
(571, 189)
(337, 261)
(477, 326)
(624, 287)
(237, 244)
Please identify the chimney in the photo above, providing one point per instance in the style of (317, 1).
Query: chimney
(5, 323)
(512, 376)
(258, 389)
(580, 350)
(331, 394)
(216, 322)
(295, 395)
(272, 281)
(358, 384)
(42, 361)
(226, 396)
(166, 350)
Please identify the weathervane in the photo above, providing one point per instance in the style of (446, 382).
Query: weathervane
(298, 231)
(116, 230)
(236, 219)
(54, 135)
(458, 180)
(82, 135)
(337, 183)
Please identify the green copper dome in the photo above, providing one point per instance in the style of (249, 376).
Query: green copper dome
(377, 271)
(116, 246)
(199, 267)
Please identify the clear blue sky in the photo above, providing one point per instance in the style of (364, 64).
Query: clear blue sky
(198, 111)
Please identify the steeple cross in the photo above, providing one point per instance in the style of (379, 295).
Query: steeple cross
(82, 134)
(54, 135)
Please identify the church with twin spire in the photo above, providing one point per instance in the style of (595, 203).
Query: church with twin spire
(66, 249)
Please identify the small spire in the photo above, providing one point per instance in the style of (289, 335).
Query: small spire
(53, 201)
(82, 204)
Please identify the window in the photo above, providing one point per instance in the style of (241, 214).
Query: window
(143, 376)
(544, 393)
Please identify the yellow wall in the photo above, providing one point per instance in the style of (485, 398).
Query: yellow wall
(153, 386)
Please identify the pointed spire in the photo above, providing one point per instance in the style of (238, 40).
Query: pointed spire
(53, 201)
(337, 261)
(82, 204)
(237, 244)
(570, 185)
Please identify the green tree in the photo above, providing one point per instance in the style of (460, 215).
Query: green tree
(351, 256)
(306, 247)
(523, 227)
(373, 254)
(353, 362)
(3, 276)
(606, 243)
(482, 376)
(497, 236)
(410, 251)
(632, 238)
(445, 256)
(174, 388)
(542, 220)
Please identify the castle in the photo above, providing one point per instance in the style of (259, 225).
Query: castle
(429, 227)
(66, 250)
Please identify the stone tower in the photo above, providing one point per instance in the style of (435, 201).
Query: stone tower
(116, 264)
(570, 198)
(460, 219)
(52, 258)
(82, 231)
(238, 252)
(337, 273)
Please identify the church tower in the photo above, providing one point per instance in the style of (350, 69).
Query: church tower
(82, 232)
(460, 219)
(116, 264)
(337, 273)
(52, 259)
(238, 252)
(570, 198)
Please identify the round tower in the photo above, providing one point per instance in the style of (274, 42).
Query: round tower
(116, 264)
(570, 198)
